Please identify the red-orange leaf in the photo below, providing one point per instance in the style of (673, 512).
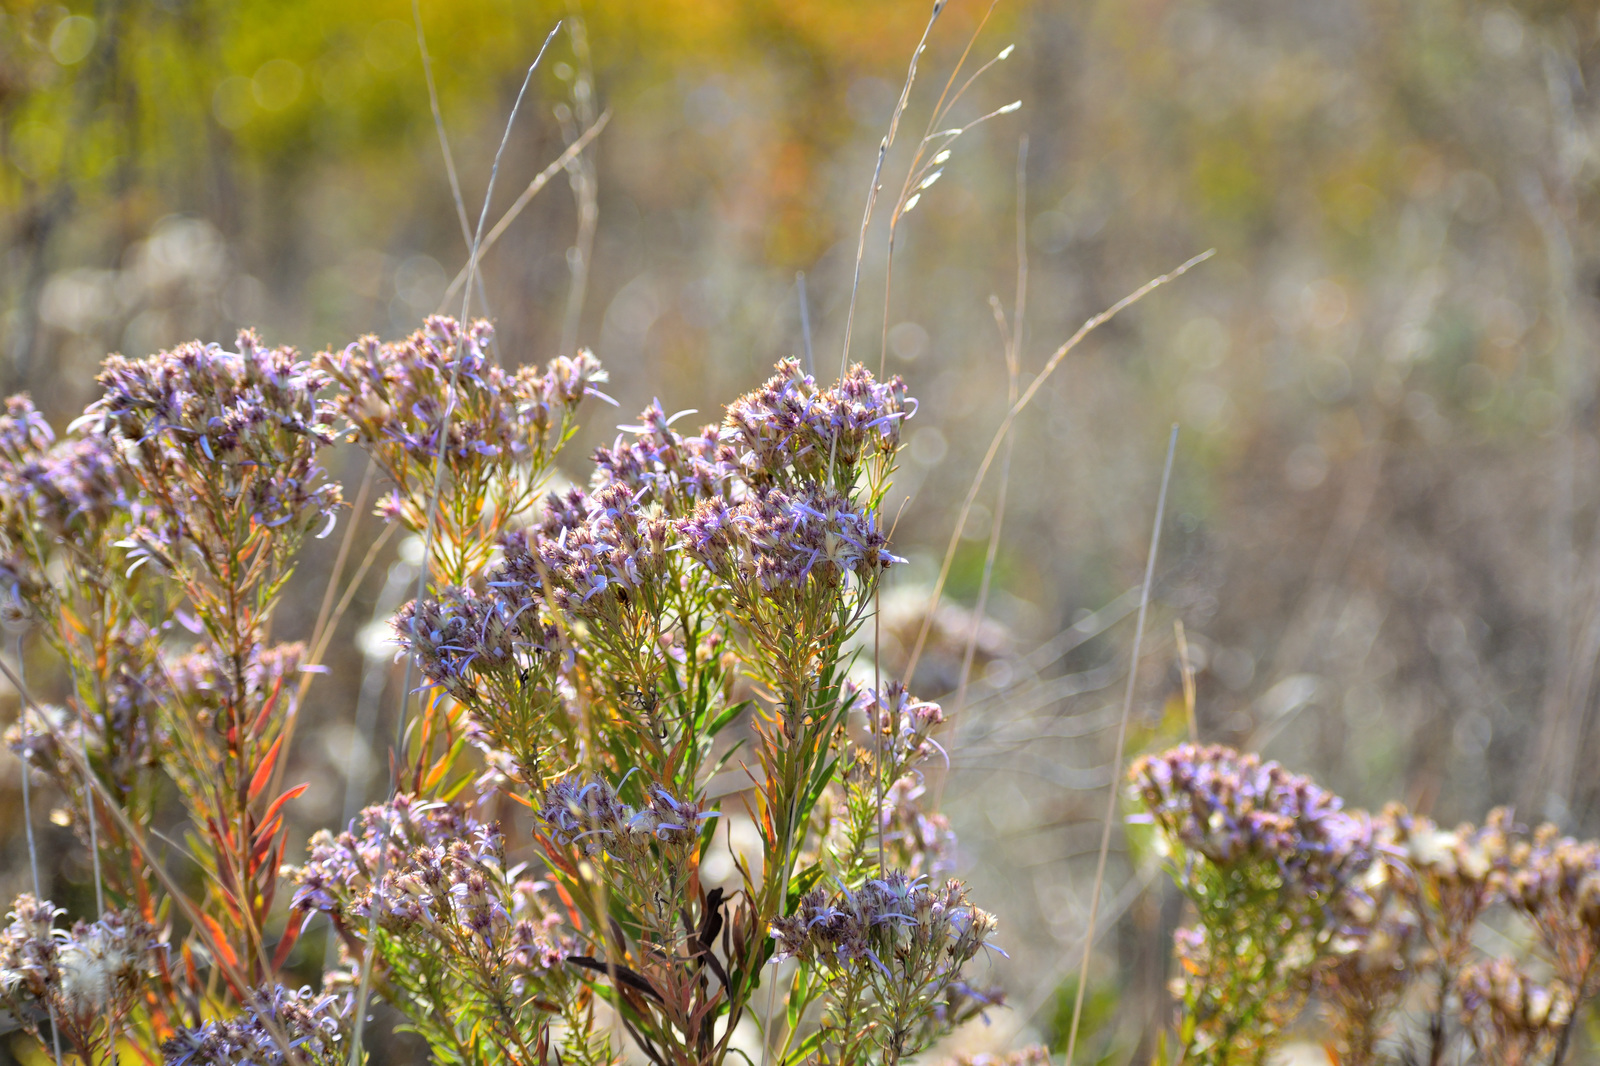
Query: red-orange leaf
(263, 772)
(281, 800)
(260, 723)
(291, 933)
(219, 942)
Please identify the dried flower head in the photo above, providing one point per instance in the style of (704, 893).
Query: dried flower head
(1512, 1018)
(85, 978)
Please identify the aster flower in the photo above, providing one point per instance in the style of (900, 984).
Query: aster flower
(337, 878)
(1275, 868)
(902, 939)
(790, 431)
(1232, 808)
(659, 466)
(436, 392)
(601, 561)
(24, 433)
(316, 1026)
(778, 542)
(496, 657)
(586, 812)
(209, 434)
(905, 724)
(77, 491)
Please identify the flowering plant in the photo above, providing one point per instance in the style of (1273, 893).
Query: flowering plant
(1373, 916)
(603, 657)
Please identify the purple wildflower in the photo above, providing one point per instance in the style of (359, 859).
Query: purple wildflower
(790, 431)
(315, 1025)
(598, 558)
(780, 540)
(199, 424)
(661, 466)
(588, 813)
(398, 398)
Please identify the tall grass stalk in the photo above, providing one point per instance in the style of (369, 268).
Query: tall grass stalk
(1116, 759)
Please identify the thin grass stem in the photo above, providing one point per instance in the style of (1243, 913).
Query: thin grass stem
(1116, 760)
(398, 753)
(1005, 428)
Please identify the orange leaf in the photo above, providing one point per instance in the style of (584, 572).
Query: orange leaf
(219, 942)
(281, 800)
(291, 933)
(260, 723)
(263, 772)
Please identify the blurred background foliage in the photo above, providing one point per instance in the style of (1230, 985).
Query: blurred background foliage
(1384, 542)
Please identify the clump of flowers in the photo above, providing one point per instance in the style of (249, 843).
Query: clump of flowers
(450, 427)
(1375, 917)
(596, 664)
(664, 468)
(1269, 860)
(279, 1026)
(893, 951)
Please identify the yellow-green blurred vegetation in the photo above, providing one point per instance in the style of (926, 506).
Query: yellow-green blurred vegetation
(1383, 541)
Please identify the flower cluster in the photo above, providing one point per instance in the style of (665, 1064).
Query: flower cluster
(598, 558)
(24, 433)
(77, 490)
(449, 914)
(279, 1026)
(905, 725)
(401, 395)
(434, 404)
(234, 429)
(777, 540)
(493, 655)
(884, 924)
(903, 941)
(1231, 808)
(1556, 886)
(337, 878)
(589, 814)
(660, 466)
(1277, 872)
(85, 978)
(789, 429)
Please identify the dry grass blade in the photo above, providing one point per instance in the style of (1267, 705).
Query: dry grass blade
(1005, 428)
(444, 140)
(1116, 759)
(877, 174)
(540, 180)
